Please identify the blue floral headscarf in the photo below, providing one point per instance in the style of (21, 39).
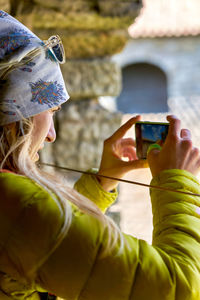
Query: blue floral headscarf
(33, 87)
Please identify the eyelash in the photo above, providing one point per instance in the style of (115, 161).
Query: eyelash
(53, 111)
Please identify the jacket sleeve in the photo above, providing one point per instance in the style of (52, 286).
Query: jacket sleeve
(169, 269)
(31, 220)
(89, 187)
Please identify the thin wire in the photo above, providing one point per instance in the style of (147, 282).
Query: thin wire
(122, 180)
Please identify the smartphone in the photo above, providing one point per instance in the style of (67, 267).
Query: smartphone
(147, 133)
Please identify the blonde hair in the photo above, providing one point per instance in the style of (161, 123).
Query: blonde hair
(15, 141)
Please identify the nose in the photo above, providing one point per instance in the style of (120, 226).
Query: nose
(51, 136)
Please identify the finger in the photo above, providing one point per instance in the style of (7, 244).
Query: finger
(152, 152)
(127, 142)
(124, 145)
(130, 153)
(185, 134)
(135, 164)
(154, 146)
(174, 127)
(127, 150)
(124, 128)
(198, 164)
(194, 153)
(138, 164)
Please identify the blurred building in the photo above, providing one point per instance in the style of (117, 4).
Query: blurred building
(161, 75)
(162, 60)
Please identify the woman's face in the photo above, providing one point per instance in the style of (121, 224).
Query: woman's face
(43, 131)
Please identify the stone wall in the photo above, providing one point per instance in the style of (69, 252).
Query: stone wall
(89, 28)
(81, 134)
(92, 78)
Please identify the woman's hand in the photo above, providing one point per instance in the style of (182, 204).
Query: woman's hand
(115, 149)
(177, 151)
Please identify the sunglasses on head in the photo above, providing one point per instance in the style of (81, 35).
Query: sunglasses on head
(53, 44)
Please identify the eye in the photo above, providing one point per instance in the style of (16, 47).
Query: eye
(55, 109)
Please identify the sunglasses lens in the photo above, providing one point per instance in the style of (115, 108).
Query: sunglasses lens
(58, 51)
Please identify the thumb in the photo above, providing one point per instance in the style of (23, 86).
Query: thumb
(153, 151)
(155, 147)
(137, 164)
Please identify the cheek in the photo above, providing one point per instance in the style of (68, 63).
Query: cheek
(42, 125)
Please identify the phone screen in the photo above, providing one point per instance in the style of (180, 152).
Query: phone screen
(148, 133)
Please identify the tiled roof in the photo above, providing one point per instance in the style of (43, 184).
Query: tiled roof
(161, 18)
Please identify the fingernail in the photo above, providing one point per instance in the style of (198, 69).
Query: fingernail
(172, 116)
(133, 118)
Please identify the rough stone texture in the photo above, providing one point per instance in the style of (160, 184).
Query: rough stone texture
(91, 28)
(119, 8)
(89, 79)
(83, 35)
(103, 7)
(107, 45)
(4, 5)
(87, 44)
(66, 6)
(83, 126)
(78, 22)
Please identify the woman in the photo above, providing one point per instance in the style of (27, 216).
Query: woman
(56, 239)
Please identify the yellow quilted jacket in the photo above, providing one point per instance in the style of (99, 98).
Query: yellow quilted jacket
(169, 269)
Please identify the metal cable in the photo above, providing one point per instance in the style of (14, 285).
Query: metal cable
(121, 180)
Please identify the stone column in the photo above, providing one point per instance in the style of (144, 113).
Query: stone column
(91, 31)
